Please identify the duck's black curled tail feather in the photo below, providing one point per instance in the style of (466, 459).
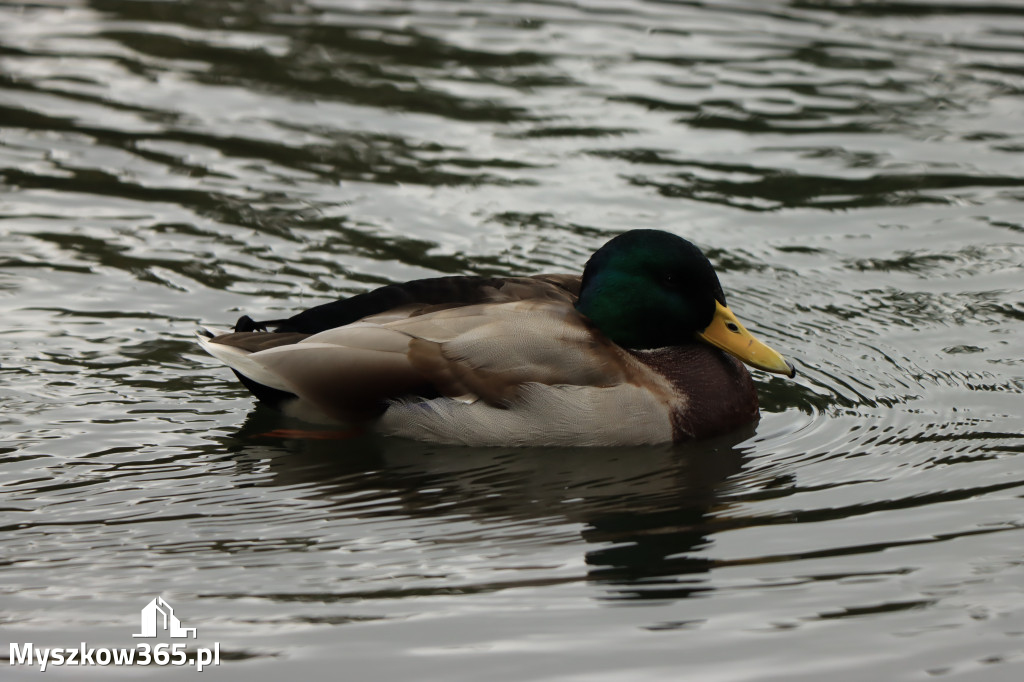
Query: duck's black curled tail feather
(247, 324)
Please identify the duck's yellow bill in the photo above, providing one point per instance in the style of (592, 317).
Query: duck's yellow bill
(726, 332)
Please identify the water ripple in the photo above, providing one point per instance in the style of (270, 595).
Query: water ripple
(852, 170)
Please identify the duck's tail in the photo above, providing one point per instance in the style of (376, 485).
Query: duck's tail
(266, 386)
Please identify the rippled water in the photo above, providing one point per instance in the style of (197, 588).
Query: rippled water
(854, 170)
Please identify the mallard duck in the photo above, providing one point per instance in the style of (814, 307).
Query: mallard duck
(640, 349)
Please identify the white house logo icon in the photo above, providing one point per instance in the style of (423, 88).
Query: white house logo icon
(157, 615)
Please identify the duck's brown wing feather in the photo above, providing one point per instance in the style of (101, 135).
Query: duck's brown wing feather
(487, 352)
(392, 302)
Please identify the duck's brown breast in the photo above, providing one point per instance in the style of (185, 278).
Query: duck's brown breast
(715, 392)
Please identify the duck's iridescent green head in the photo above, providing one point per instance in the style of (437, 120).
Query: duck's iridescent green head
(650, 289)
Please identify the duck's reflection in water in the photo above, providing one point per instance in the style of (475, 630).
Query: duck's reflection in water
(643, 510)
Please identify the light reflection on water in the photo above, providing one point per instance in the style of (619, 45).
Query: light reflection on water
(853, 171)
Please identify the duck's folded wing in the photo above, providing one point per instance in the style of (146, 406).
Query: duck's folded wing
(423, 296)
(349, 376)
(486, 352)
(491, 351)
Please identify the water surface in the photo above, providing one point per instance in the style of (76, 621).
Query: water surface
(855, 171)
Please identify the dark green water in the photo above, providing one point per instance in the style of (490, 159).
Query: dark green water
(854, 170)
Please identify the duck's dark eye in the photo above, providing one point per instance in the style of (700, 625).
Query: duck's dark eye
(732, 326)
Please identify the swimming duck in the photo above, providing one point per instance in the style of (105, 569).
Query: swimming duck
(640, 349)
